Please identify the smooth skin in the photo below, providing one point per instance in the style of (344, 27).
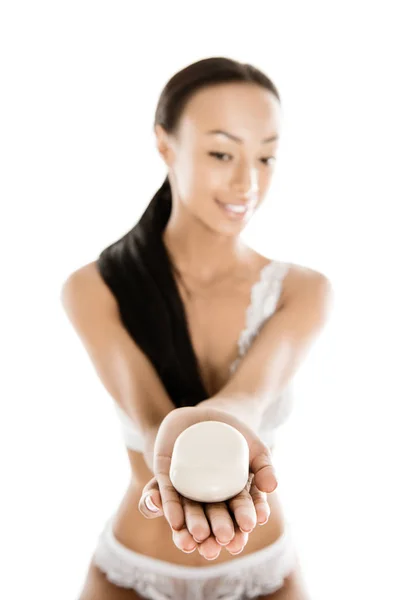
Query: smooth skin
(233, 167)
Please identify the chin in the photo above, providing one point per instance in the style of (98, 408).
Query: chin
(229, 229)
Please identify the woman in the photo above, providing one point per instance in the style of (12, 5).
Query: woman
(184, 322)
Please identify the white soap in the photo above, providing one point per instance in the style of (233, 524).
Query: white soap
(210, 462)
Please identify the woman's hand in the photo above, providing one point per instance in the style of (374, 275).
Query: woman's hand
(210, 525)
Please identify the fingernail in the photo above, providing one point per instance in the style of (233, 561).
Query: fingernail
(150, 504)
(245, 531)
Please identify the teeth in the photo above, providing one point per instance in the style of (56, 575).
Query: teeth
(235, 208)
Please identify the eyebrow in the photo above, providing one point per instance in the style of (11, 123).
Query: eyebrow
(272, 138)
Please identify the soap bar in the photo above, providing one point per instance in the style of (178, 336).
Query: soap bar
(210, 462)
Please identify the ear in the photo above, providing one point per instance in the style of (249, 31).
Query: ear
(164, 145)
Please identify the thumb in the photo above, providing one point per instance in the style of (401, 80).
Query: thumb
(264, 473)
(150, 504)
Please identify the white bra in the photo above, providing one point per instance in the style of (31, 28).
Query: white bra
(265, 294)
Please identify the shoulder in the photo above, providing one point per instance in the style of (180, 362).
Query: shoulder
(87, 284)
(299, 278)
(87, 275)
(308, 292)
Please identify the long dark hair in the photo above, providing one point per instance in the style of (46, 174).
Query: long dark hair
(138, 268)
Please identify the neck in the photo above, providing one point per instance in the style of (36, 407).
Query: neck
(200, 251)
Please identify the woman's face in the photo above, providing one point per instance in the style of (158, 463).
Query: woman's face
(223, 153)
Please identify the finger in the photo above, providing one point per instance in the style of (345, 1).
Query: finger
(260, 461)
(195, 519)
(261, 505)
(243, 508)
(220, 521)
(238, 542)
(171, 500)
(210, 549)
(150, 490)
(184, 540)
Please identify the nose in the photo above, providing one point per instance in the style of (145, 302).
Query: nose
(246, 182)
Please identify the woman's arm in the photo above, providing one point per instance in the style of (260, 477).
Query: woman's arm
(278, 349)
(125, 371)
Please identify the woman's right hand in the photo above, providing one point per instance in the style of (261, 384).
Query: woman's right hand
(188, 519)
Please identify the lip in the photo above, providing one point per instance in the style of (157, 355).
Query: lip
(233, 216)
(247, 204)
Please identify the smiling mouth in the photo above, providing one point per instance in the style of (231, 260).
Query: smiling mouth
(235, 207)
(235, 211)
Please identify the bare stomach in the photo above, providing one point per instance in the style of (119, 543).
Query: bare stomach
(153, 537)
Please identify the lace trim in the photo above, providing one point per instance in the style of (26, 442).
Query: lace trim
(264, 297)
(262, 577)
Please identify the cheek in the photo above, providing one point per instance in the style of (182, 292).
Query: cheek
(199, 178)
(217, 178)
(214, 176)
(186, 175)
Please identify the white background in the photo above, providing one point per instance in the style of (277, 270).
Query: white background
(80, 82)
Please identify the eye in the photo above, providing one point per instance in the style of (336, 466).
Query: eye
(218, 154)
(267, 159)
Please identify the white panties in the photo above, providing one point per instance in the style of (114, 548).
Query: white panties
(241, 578)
